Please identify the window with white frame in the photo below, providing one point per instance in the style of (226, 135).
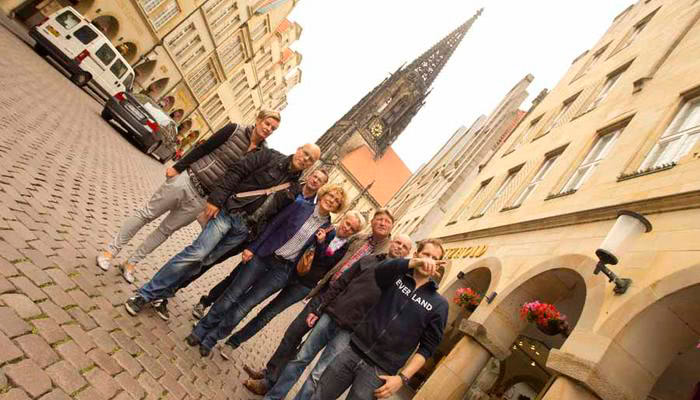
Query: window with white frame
(165, 15)
(500, 192)
(560, 116)
(150, 5)
(524, 134)
(595, 156)
(467, 205)
(592, 61)
(204, 79)
(678, 139)
(539, 176)
(258, 31)
(232, 53)
(606, 89)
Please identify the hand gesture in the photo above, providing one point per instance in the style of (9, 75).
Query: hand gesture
(170, 172)
(311, 320)
(392, 383)
(427, 265)
(321, 235)
(211, 211)
(246, 256)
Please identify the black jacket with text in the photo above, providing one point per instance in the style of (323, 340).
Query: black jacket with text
(403, 319)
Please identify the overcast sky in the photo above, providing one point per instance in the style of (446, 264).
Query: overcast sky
(348, 47)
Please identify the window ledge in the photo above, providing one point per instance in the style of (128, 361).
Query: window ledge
(648, 171)
(510, 208)
(508, 152)
(562, 194)
(451, 223)
(583, 113)
(476, 216)
(537, 137)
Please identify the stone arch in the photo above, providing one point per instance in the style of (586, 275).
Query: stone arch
(154, 89)
(184, 127)
(529, 380)
(128, 51)
(177, 115)
(84, 6)
(654, 335)
(166, 103)
(144, 70)
(108, 25)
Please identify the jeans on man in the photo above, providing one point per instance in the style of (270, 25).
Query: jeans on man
(323, 332)
(258, 279)
(225, 231)
(349, 368)
(291, 340)
(336, 346)
(176, 195)
(288, 296)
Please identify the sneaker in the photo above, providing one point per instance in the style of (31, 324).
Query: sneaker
(255, 374)
(128, 272)
(161, 307)
(198, 310)
(204, 351)
(226, 351)
(192, 340)
(104, 260)
(135, 304)
(257, 386)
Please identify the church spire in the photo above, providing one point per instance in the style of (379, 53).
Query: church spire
(383, 114)
(429, 64)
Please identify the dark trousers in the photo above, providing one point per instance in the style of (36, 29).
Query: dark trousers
(349, 369)
(287, 297)
(289, 345)
(258, 279)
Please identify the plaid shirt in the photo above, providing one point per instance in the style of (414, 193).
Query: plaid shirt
(366, 248)
(290, 250)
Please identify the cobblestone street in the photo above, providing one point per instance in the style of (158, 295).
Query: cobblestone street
(67, 181)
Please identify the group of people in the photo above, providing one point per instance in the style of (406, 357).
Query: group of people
(373, 310)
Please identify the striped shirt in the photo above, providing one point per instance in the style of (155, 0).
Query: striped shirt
(290, 250)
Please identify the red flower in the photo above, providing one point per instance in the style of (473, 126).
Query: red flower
(467, 296)
(540, 313)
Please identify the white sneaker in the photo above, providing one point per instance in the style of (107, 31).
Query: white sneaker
(104, 260)
(128, 272)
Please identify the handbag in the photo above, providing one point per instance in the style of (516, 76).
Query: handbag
(304, 264)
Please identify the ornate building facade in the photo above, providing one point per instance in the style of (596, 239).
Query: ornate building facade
(619, 132)
(358, 146)
(208, 62)
(422, 201)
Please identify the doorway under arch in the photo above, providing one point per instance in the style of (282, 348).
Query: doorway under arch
(108, 25)
(154, 89)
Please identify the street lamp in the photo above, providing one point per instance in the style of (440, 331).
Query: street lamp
(628, 226)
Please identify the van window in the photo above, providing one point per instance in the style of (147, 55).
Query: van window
(128, 81)
(68, 20)
(118, 68)
(85, 34)
(105, 54)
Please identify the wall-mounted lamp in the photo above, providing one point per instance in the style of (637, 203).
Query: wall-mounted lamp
(628, 226)
(489, 298)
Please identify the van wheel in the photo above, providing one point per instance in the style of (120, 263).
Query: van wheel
(40, 50)
(105, 114)
(153, 148)
(81, 78)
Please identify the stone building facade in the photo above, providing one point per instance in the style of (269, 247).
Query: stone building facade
(422, 201)
(618, 132)
(208, 62)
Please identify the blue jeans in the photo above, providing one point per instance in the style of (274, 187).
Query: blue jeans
(290, 294)
(335, 347)
(349, 369)
(323, 332)
(258, 279)
(220, 234)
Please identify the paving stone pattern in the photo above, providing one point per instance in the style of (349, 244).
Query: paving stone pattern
(67, 180)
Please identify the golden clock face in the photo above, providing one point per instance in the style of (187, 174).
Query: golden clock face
(377, 129)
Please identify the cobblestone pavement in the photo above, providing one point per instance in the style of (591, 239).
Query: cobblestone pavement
(67, 180)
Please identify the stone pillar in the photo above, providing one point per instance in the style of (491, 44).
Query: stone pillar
(567, 388)
(456, 372)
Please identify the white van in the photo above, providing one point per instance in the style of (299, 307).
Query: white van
(84, 51)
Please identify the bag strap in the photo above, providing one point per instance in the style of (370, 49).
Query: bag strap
(270, 190)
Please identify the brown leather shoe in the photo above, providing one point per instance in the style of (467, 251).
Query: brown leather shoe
(256, 386)
(253, 373)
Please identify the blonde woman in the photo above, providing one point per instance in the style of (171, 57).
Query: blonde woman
(269, 264)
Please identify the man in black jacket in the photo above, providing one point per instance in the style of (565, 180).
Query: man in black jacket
(341, 312)
(242, 190)
(187, 184)
(410, 313)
